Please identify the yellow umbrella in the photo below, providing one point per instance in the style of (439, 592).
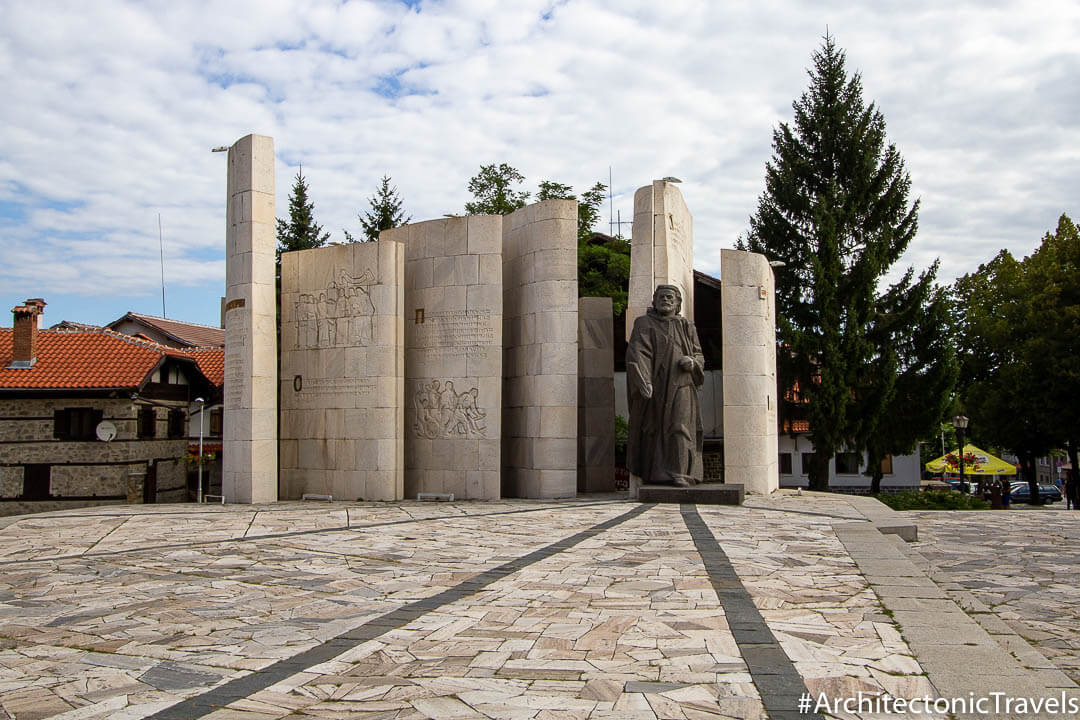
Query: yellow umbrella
(976, 462)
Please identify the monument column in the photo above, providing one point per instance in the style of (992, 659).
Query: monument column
(661, 250)
(250, 422)
(749, 371)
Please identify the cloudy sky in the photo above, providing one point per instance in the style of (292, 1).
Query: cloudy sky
(110, 110)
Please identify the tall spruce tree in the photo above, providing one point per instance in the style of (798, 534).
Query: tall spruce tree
(385, 212)
(835, 211)
(301, 232)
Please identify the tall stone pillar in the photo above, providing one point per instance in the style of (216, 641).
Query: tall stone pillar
(250, 423)
(662, 249)
(540, 372)
(749, 371)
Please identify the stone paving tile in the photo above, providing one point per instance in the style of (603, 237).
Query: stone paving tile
(1023, 564)
(814, 599)
(123, 611)
(622, 625)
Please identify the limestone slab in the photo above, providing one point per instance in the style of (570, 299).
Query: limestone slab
(662, 248)
(749, 371)
(540, 360)
(453, 328)
(250, 324)
(341, 378)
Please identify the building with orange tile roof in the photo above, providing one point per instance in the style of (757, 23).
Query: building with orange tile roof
(174, 333)
(92, 416)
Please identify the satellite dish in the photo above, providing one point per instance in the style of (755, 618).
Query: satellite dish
(105, 430)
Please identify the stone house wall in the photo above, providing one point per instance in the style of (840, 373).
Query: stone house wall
(86, 470)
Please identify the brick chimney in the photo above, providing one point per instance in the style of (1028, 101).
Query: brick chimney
(24, 342)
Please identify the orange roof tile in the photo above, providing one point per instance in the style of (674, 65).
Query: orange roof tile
(211, 361)
(95, 359)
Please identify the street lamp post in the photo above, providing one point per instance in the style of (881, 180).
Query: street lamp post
(202, 406)
(960, 422)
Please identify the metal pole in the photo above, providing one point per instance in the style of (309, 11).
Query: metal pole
(960, 431)
(202, 406)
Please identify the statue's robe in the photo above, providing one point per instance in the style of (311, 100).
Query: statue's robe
(666, 432)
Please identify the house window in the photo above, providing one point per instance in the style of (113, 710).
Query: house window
(785, 463)
(215, 421)
(76, 423)
(36, 482)
(176, 423)
(147, 423)
(847, 463)
(807, 461)
(886, 465)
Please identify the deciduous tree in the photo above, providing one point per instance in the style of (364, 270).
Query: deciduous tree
(493, 192)
(1020, 353)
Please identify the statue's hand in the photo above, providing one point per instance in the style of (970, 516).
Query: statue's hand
(646, 391)
(686, 363)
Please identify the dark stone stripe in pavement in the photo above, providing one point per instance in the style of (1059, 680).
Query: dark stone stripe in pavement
(275, 536)
(248, 685)
(774, 674)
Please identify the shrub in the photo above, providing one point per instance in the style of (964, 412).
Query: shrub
(933, 500)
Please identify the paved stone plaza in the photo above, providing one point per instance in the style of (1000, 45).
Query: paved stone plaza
(594, 608)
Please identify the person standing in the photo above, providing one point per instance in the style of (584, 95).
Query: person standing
(1072, 491)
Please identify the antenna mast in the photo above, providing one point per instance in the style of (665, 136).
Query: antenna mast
(161, 247)
(614, 226)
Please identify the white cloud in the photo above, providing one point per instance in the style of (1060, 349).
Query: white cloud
(111, 109)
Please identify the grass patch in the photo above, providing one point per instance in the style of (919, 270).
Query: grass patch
(932, 500)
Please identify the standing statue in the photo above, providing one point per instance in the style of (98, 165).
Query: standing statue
(664, 369)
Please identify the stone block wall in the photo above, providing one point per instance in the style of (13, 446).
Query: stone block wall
(596, 396)
(250, 462)
(662, 249)
(342, 369)
(453, 355)
(540, 327)
(749, 362)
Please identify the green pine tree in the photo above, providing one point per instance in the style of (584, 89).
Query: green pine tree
(915, 372)
(301, 232)
(385, 212)
(835, 211)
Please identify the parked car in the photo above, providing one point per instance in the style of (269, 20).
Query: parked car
(1021, 493)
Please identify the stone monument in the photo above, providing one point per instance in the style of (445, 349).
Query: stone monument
(342, 371)
(749, 371)
(664, 370)
(662, 249)
(540, 327)
(453, 355)
(250, 420)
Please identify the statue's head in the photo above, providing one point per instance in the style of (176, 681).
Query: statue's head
(667, 300)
